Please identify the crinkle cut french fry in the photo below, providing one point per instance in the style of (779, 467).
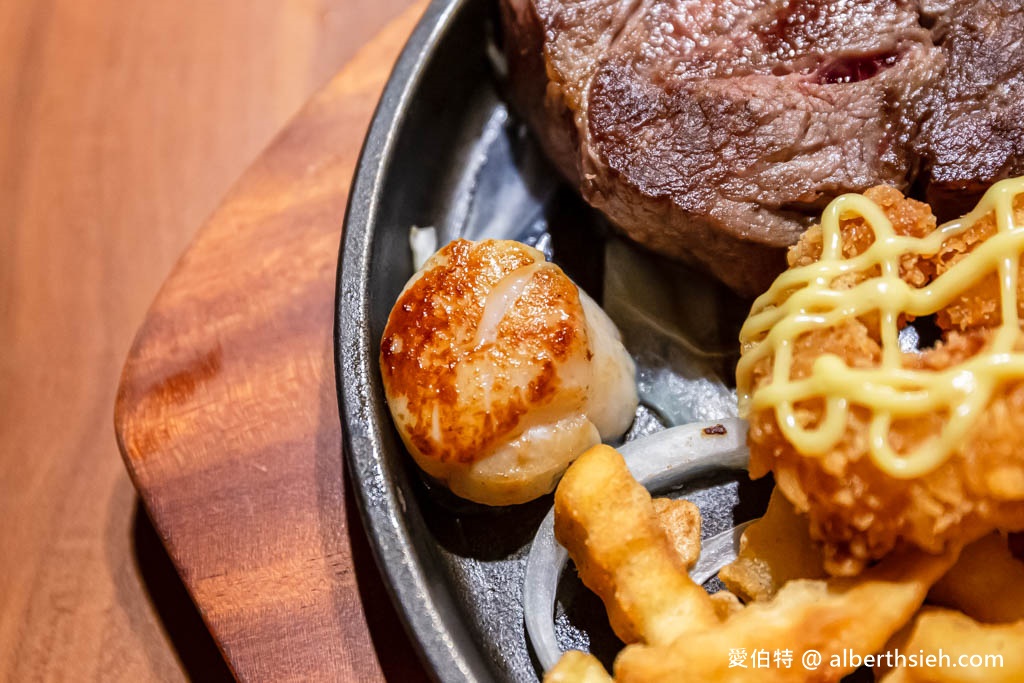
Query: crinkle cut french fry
(577, 667)
(860, 614)
(680, 519)
(955, 635)
(773, 550)
(607, 522)
(986, 583)
(726, 604)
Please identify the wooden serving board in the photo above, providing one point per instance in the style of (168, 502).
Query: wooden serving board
(227, 411)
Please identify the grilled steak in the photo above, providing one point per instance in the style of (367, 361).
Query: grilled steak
(716, 130)
(972, 114)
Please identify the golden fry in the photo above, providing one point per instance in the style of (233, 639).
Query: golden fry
(608, 523)
(773, 550)
(577, 667)
(956, 635)
(986, 583)
(680, 520)
(726, 604)
(859, 614)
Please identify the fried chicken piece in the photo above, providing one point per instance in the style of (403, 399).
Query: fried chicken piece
(859, 511)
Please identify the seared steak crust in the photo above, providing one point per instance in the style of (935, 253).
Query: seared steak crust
(715, 130)
(972, 115)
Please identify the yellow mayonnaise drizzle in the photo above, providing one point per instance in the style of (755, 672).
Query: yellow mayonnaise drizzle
(802, 300)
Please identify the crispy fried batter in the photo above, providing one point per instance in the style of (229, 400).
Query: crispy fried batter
(858, 510)
(773, 550)
(954, 635)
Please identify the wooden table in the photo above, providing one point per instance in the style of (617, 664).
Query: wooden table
(122, 125)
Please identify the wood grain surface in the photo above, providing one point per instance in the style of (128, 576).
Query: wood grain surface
(227, 410)
(122, 125)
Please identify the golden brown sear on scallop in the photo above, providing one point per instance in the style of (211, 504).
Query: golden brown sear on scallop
(499, 371)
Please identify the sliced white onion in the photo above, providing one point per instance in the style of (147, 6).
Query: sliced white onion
(716, 552)
(543, 569)
(670, 457)
(659, 461)
(423, 243)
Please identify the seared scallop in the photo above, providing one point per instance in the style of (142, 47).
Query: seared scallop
(499, 371)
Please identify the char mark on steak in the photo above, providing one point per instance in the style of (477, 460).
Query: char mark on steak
(972, 113)
(715, 130)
